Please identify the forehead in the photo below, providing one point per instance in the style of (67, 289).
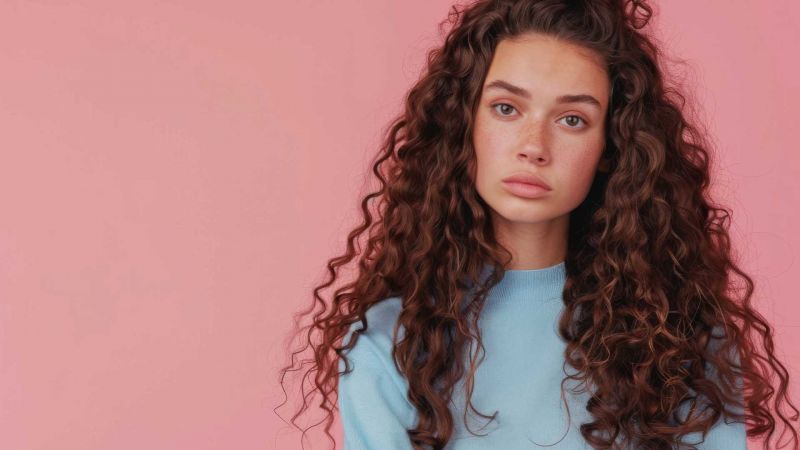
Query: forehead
(549, 67)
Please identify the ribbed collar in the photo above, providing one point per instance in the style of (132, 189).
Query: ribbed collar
(532, 285)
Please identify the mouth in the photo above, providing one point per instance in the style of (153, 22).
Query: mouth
(526, 190)
(527, 178)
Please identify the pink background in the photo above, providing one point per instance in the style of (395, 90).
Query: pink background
(175, 174)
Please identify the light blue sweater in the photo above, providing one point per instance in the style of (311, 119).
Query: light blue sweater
(519, 377)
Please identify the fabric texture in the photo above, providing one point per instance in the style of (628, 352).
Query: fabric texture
(520, 378)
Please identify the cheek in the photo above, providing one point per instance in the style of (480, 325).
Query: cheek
(484, 141)
(489, 137)
(581, 176)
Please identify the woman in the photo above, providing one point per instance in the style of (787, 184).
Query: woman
(547, 251)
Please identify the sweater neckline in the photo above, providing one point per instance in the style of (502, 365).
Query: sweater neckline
(529, 285)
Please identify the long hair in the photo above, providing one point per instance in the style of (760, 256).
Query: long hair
(652, 280)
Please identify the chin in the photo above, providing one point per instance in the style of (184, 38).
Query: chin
(522, 214)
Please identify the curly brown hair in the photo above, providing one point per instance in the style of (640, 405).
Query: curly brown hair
(650, 269)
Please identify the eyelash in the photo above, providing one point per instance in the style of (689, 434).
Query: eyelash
(571, 115)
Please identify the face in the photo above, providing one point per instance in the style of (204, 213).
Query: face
(523, 126)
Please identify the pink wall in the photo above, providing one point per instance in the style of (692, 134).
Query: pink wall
(175, 173)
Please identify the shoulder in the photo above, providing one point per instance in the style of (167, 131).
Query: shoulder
(374, 345)
(370, 359)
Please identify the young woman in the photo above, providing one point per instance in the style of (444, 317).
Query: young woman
(546, 251)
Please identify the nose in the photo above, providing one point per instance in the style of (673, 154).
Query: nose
(535, 144)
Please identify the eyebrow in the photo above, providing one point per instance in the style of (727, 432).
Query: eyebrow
(566, 98)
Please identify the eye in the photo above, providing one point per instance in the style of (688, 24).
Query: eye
(502, 104)
(576, 117)
(565, 117)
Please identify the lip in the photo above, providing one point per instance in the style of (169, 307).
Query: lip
(527, 178)
(525, 190)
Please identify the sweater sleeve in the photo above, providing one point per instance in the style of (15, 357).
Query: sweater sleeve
(730, 436)
(725, 433)
(374, 411)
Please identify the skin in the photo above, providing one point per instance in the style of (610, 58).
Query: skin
(540, 136)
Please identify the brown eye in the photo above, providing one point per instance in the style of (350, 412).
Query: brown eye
(502, 104)
(577, 118)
